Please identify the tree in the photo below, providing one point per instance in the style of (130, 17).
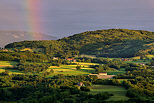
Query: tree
(85, 88)
(78, 67)
(141, 57)
(69, 100)
(5, 73)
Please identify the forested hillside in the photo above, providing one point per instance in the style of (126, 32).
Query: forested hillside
(104, 43)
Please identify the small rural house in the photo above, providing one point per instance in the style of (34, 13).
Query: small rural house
(142, 64)
(80, 84)
(103, 73)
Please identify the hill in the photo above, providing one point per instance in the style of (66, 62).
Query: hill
(9, 36)
(104, 43)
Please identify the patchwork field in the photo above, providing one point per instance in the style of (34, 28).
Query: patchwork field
(63, 69)
(85, 70)
(119, 92)
(71, 69)
(4, 64)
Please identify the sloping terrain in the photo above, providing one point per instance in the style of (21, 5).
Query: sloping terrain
(9, 36)
(105, 43)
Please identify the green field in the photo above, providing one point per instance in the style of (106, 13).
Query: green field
(11, 71)
(63, 69)
(109, 58)
(88, 56)
(138, 57)
(4, 64)
(119, 92)
(7, 63)
(139, 61)
(71, 69)
(115, 72)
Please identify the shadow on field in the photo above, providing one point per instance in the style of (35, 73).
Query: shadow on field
(86, 70)
(11, 62)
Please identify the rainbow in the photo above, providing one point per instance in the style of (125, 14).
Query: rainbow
(33, 15)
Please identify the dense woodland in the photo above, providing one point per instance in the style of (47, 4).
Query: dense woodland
(25, 88)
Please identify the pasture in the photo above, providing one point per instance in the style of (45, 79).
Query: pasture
(149, 56)
(115, 72)
(85, 70)
(32, 50)
(71, 69)
(119, 92)
(139, 61)
(4, 64)
(7, 63)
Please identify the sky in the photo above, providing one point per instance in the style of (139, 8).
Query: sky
(62, 18)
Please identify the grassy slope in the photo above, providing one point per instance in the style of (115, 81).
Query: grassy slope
(4, 64)
(119, 92)
(149, 56)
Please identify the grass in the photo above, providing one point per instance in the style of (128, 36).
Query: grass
(7, 63)
(15, 72)
(115, 72)
(32, 50)
(26, 49)
(2, 70)
(85, 70)
(119, 92)
(71, 69)
(138, 57)
(11, 71)
(63, 69)
(138, 61)
(89, 56)
(109, 58)
(4, 64)
(86, 64)
(122, 69)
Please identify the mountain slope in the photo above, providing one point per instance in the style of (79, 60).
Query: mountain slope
(111, 43)
(114, 42)
(9, 36)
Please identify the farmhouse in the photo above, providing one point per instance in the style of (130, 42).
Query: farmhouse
(80, 84)
(55, 58)
(142, 64)
(103, 73)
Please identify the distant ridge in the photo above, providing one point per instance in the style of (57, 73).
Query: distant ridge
(10, 36)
